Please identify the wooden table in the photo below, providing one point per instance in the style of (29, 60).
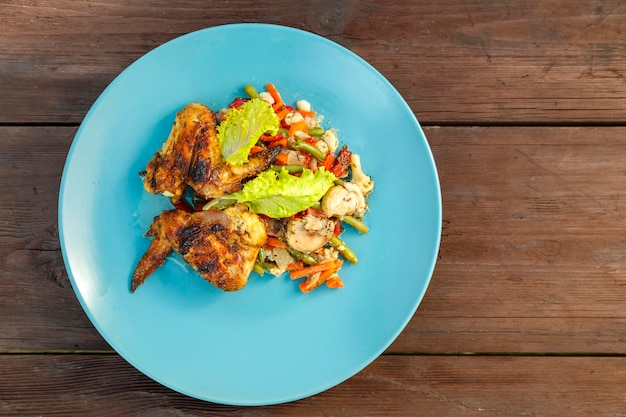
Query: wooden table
(524, 105)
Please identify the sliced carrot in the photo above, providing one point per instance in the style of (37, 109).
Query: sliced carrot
(306, 113)
(311, 283)
(328, 273)
(272, 241)
(316, 280)
(334, 282)
(281, 111)
(256, 149)
(295, 265)
(306, 286)
(328, 161)
(271, 88)
(313, 269)
(281, 159)
(297, 127)
(280, 142)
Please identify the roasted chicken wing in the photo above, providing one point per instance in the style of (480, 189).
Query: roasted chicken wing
(191, 156)
(193, 138)
(226, 178)
(222, 246)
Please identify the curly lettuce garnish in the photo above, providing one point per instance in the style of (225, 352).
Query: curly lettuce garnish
(279, 194)
(243, 127)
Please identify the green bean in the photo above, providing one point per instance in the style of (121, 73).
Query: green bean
(258, 269)
(251, 91)
(316, 131)
(345, 251)
(301, 256)
(356, 223)
(261, 255)
(292, 169)
(316, 153)
(266, 265)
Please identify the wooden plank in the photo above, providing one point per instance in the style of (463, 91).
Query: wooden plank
(105, 385)
(455, 61)
(38, 307)
(533, 244)
(531, 260)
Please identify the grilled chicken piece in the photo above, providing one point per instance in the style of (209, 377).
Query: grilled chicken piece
(222, 246)
(190, 148)
(226, 178)
(191, 156)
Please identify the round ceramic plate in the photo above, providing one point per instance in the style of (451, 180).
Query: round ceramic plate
(267, 343)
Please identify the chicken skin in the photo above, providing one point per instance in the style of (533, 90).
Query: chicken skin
(226, 178)
(222, 246)
(191, 156)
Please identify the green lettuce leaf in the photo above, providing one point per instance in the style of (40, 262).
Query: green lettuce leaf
(243, 127)
(279, 194)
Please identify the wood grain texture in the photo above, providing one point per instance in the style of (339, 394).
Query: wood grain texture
(531, 259)
(532, 242)
(38, 307)
(455, 61)
(105, 385)
(524, 106)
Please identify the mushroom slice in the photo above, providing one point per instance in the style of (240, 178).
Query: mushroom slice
(309, 233)
(344, 199)
(362, 180)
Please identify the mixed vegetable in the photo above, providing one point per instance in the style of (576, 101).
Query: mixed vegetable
(313, 190)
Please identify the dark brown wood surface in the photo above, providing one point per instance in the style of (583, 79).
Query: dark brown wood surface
(524, 106)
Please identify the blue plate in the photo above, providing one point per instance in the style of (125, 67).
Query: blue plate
(267, 343)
